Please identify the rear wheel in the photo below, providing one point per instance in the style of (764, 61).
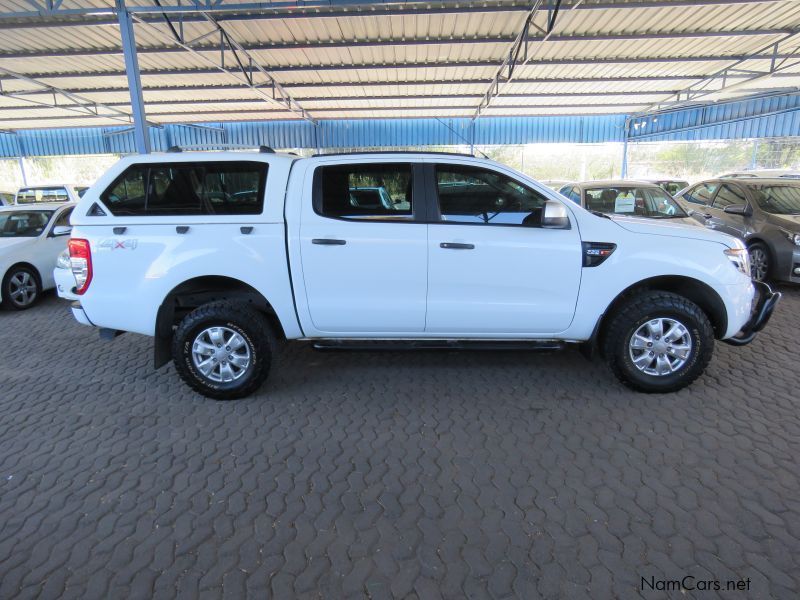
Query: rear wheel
(760, 261)
(21, 288)
(223, 350)
(658, 342)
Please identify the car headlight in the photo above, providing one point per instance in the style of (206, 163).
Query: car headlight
(63, 260)
(793, 237)
(740, 259)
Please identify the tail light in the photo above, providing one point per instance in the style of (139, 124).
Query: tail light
(80, 259)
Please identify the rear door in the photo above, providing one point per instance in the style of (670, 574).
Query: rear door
(493, 270)
(363, 249)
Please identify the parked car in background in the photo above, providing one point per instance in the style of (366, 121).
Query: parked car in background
(762, 212)
(554, 184)
(771, 173)
(671, 186)
(31, 238)
(63, 277)
(470, 253)
(50, 193)
(625, 198)
(6, 198)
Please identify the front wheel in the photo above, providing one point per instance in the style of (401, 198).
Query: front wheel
(759, 261)
(223, 350)
(658, 342)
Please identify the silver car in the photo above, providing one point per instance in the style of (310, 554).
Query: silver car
(763, 212)
(626, 199)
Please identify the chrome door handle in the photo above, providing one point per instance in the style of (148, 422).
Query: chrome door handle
(328, 242)
(456, 246)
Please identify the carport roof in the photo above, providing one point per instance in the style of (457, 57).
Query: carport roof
(369, 59)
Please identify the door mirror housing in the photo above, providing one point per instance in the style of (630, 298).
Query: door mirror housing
(738, 209)
(555, 215)
(61, 230)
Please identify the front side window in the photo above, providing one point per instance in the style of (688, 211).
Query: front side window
(32, 195)
(652, 202)
(701, 193)
(470, 194)
(728, 195)
(228, 188)
(365, 191)
(778, 199)
(20, 223)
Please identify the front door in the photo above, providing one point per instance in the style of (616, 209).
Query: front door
(493, 271)
(364, 251)
(728, 195)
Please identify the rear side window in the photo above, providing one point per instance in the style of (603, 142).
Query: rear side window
(372, 191)
(728, 195)
(171, 189)
(32, 195)
(701, 193)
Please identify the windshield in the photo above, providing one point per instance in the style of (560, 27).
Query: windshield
(778, 199)
(635, 201)
(23, 223)
(31, 195)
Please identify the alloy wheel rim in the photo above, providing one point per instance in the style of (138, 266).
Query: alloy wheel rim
(759, 264)
(221, 354)
(22, 288)
(660, 346)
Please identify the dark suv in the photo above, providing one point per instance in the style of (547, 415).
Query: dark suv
(764, 213)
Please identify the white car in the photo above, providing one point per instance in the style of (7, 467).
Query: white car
(31, 238)
(59, 192)
(217, 255)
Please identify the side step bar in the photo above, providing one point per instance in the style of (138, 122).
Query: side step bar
(396, 345)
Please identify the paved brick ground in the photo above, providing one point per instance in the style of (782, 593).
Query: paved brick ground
(391, 474)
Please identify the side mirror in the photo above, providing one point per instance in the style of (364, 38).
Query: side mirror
(555, 216)
(61, 230)
(738, 209)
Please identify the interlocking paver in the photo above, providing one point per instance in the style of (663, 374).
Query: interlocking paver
(391, 474)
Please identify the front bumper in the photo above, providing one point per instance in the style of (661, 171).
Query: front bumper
(787, 259)
(765, 304)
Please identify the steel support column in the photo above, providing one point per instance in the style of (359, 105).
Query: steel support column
(140, 133)
(625, 135)
(21, 159)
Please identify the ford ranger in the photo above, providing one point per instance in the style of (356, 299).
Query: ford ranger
(219, 256)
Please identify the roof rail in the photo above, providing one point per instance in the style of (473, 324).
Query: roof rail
(221, 146)
(435, 153)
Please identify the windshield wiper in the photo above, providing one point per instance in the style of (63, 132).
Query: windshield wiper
(599, 214)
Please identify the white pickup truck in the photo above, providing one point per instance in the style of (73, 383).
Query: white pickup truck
(221, 255)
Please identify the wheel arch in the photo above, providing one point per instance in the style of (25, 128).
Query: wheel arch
(25, 264)
(695, 290)
(194, 292)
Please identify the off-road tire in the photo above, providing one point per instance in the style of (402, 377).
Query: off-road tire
(247, 322)
(636, 311)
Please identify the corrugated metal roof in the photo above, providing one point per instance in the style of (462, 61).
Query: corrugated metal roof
(761, 117)
(410, 60)
(330, 134)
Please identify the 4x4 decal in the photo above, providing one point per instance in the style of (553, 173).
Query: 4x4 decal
(115, 244)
